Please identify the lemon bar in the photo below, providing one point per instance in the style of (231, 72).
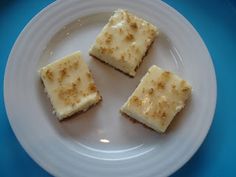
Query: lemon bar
(69, 85)
(124, 41)
(157, 99)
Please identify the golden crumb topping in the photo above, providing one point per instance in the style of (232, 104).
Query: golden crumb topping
(129, 37)
(160, 85)
(150, 91)
(92, 87)
(63, 74)
(78, 80)
(107, 50)
(185, 89)
(120, 30)
(108, 39)
(134, 25)
(49, 75)
(136, 101)
(69, 95)
(166, 75)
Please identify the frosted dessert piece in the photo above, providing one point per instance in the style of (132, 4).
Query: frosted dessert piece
(69, 85)
(124, 41)
(158, 98)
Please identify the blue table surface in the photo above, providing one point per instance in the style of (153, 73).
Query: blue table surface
(216, 23)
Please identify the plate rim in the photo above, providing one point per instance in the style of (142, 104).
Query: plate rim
(53, 4)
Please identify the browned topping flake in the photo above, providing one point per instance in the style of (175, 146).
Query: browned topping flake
(49, 74)
(160, 85)
(186, 89)
(160, 114)
(108, 38)
(174, 89)
(166, 74)
(69, 95)
(63, 74)
(152, 32)
(163, 104)
(163, 115)
(74, 85)
(129, 37)
(68, 65)
(78, 80)
(136, 101)
(150, 91)
(120, 30)
(134, 26)
(135, 98)
(184, 86)
(65, 63)
(103, 50)
(92, 87)
(106, 50)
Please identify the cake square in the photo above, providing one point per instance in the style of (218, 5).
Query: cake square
(158, 98)
(69, 85)
(124, 41)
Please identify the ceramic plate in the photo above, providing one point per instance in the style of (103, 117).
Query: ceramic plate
(101, 142)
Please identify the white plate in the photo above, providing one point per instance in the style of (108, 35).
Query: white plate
(101, 142)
